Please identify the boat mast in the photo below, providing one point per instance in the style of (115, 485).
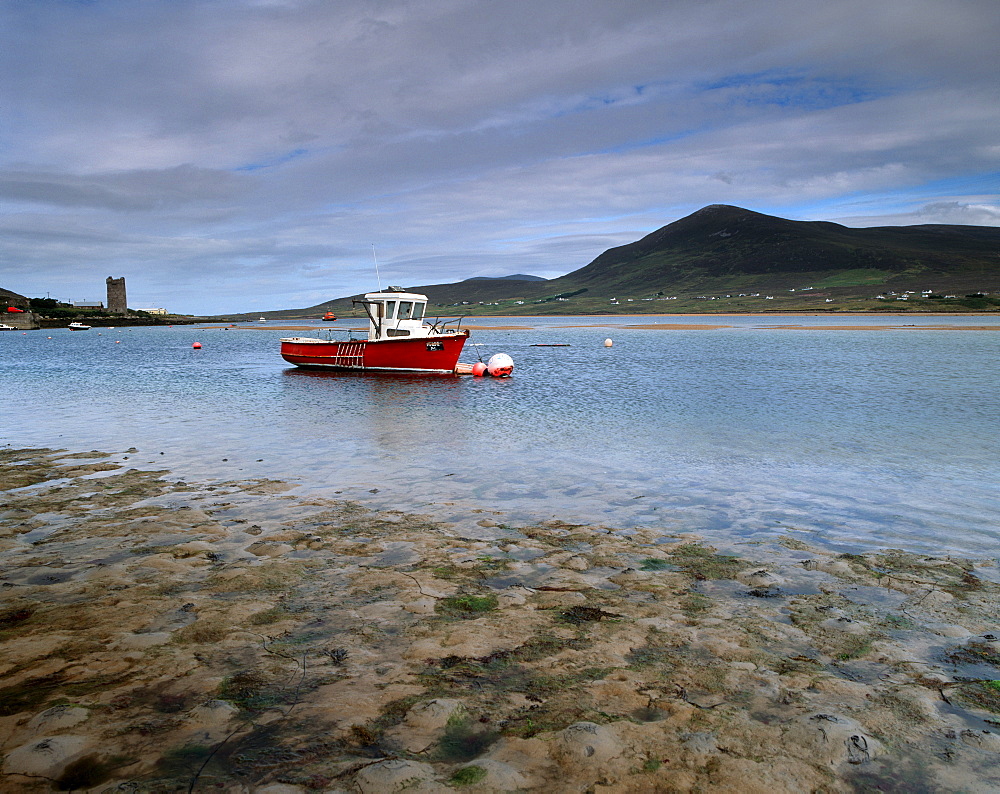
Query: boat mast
(377, 277)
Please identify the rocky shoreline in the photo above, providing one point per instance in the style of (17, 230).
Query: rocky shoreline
(161, 635)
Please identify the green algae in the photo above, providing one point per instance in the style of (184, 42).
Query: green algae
(464, 740)
(983, 695)
(467, 776)
(702, 562)
(467, 606)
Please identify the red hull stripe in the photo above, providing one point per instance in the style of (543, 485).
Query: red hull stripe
(436, 354)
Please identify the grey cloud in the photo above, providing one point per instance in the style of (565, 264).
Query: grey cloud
(957, 212)
(968, 212)
(126, 191)
(186, 142)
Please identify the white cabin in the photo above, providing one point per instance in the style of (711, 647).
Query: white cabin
(395, 313)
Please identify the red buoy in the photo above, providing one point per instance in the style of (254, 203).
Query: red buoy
(479, 369)
(196, 345)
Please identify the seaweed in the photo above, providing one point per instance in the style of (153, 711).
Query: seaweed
(251, 691)
(584, 614)
(15, 617)
(854, 647)
(28, 695)
(702, 562)
(467, 606)
(463, 740)
(980, 694)
(467, 776)
(975, 652)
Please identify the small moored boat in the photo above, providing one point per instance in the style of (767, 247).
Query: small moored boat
(5, 327)
(398, 340)
(78, 327)
(329, 317)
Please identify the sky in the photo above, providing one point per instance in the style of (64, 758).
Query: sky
(254, 155)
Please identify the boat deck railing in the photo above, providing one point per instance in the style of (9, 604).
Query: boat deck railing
(441, 327)
(451, 326)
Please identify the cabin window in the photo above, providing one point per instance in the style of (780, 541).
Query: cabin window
(390, 307)
(396, 332)
(418, 311)
(405, 310)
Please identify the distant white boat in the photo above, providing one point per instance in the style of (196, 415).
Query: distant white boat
(78, 327)
(262, 320)
(5, 327)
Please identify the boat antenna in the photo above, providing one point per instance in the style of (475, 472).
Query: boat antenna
(378, 278)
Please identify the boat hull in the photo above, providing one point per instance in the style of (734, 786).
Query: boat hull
(437, 355)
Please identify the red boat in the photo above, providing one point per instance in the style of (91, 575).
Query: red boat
(398, 340)
(330, 316)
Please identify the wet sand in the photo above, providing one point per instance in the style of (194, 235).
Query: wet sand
(277, 328)
(791, 327)
(359, 330)
(652, 327)
(881, 327)
(163, 635)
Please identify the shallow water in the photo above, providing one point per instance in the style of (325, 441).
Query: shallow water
(857, 439)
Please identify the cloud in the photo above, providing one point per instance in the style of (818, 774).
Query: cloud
(138, 191)
(247, 150)
(950, 212)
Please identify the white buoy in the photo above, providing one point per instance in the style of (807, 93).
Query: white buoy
(500, 365)
(608, 343)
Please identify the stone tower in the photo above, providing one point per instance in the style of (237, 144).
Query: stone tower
(116, 295)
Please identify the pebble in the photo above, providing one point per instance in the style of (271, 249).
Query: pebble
(46, 756)
(586, 743)
(396, 775)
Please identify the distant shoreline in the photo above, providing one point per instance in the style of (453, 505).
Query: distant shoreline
(638, 314)
(648, 326)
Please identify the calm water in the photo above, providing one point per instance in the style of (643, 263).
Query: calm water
(858, 439)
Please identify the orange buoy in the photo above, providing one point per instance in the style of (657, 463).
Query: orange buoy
(196, 345)
(479, 369)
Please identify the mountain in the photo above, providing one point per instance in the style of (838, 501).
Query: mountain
(737, 259)
(721, 242)
(471, 292)
(518, 277)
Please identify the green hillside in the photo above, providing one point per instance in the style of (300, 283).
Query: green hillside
(723, 259)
